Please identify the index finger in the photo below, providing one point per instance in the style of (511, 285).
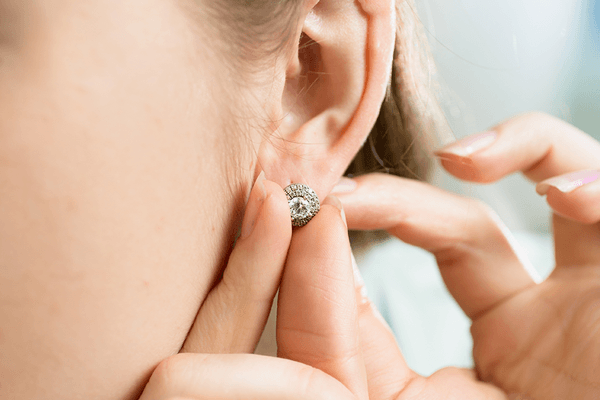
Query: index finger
(545, 149)
(536, 144)
(477, 256)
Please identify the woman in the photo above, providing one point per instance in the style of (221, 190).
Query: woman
(131, 135)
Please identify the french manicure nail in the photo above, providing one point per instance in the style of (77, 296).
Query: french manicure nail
(334, 201)
(344, 185)
(364, 294)
(255, 202)
(358, 279)
(469, 145)
(568, 182)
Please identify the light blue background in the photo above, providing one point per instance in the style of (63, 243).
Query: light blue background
(497, 59)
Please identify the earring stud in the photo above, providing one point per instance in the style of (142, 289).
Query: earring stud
(304, 203)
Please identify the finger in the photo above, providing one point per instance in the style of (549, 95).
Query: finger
(458, 383)
(387, 372)
(234, 314)
(316, 317)
(575, 200)
(575, 195)
(240, 376)
(537, 144)
(542, 147)
(478, 258)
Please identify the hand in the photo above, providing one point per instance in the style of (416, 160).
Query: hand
(534, 341)
(234, 314)
(332, 343)
(326, 321)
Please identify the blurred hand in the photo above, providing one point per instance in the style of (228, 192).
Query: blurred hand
(534, 341)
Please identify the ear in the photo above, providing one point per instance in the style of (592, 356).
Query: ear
(335, 84)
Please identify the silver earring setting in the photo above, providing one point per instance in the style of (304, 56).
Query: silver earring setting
(304, 203)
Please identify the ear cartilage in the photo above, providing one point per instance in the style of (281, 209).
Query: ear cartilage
(304, 203)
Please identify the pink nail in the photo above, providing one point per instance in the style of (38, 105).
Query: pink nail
(334, 201)
(255, 202)
(358, 279)
(344, 185)
(469, 145)
(568, 182)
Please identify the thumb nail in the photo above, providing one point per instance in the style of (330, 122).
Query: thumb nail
(358, 279)
(344, 185)
(334, 201)
(255, 202)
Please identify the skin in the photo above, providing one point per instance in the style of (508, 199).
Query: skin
(108, 240)
(128, 149)
(119, 204)
(532, 340)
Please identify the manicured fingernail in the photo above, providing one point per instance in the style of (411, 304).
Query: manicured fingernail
(568, 182)
(334, 201)
(358, 279)
(344, 185)
(255, 202)
(469, 145)
(364, 294)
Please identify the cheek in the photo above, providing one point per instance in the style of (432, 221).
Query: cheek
(116, 206)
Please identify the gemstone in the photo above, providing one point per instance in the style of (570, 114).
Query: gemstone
(299, 208)
(303, 202)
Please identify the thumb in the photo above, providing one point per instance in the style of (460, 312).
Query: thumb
(317, 322)
(239, 376)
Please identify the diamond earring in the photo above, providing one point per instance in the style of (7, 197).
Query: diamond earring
(304, 203)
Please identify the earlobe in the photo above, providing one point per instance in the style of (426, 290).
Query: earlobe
(335, 85)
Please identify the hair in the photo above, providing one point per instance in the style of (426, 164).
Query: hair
(410, 121)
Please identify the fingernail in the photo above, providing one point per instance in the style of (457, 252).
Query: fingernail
(344, 185)
(334, 201)
(364, 294)
(358, 279)
(469, 145)
(255, 202)
(568, 182)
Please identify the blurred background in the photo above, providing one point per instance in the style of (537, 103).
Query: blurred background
(501, 58)
(495, 59)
